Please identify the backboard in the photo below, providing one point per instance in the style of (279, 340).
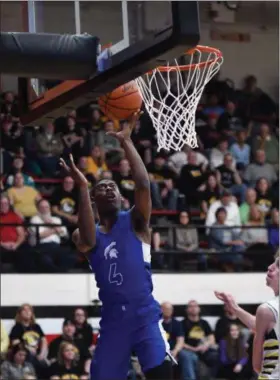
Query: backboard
(135, 36)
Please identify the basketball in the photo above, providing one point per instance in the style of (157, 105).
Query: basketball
(121, 103)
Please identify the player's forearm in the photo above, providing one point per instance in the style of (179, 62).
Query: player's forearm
(86, 222)
(246, 318)
(138, 169)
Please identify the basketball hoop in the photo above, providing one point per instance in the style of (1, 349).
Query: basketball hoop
(171, 97)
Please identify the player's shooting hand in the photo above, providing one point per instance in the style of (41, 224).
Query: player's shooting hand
(74, 172)
(228, 300)
(127, 129)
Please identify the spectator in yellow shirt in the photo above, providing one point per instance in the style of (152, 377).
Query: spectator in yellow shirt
(23, 198)
(4, 345)
(96, 162)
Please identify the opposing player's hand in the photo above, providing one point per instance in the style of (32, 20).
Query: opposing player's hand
(228, 300)
(74, 172)
(128, 127)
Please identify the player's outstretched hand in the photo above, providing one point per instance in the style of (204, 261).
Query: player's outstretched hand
(74, 172)
(128, 127)
(228, 300)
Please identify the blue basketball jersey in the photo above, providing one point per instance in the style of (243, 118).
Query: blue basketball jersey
(122, 265)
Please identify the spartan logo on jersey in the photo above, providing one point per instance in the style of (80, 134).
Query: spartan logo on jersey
(111, 252)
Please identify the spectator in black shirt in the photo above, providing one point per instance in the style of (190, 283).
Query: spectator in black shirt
(211, 194)
(265, 199)
(199, 341)
(68, 335)
(223, 324)
(28, 332)
(173, 329)
(229, 120)
(82, 166)
(192, 176)
(84, 331)
(229, 179)
(162, 187)
(125, 182)
(65, 203)
(9, 107)
(73, 139)
(67, 364)
(11, 138)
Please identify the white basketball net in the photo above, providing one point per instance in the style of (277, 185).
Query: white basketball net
(171, 97)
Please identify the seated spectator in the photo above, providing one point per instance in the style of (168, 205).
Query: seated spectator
(49, 148)
(12, 141)
(12, 238)
(186, 236)
(95, 121)
(82, 166)
(241, 151)
(199, 342)
(67, 364)
(30, 334)
(253, 101)
(244, 209)
(73, 139)
(225, 240)
(255, 235)
(211, 194)
(84, 331)
(17, 167)
(9, 107)
(273, 230)
(232, 211)
(223, 325)
(54, 257)
(112, 148)
(233, 356)
(162, 187)
(143, 136)
(212, 106)
(192, 177)
(229, 120)
(217, 154)
(17, 366)
(259, 168)
(4, 341)
(23, 198)
(96, 163)
(229, 179)
(207, 132)
(267, 142)
(177, 160)
(68, 335)
(65, 203)
(124, 181)
(265, 198)
(174, 333)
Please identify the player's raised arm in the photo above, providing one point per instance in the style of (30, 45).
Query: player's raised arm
(85, 236)
(142, 197)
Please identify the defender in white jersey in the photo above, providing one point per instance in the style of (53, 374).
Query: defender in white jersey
(265, 325)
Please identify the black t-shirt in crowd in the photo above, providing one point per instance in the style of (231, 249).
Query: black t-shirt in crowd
(66, 201)
(222, 327)
(60, 370)
(159, 173)
(191, 177)
(265, 201)
(29, 335)
(82, 351)
(196, 332)
(83, 335)
(210, 196)
(12, 142)
(227, 176)
(173, 330)
(126, 186)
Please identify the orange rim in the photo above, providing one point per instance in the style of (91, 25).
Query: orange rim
(200, 48)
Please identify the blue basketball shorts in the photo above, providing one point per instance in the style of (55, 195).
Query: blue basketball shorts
(117, 342)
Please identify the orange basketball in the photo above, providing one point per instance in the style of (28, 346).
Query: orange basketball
(121, 103)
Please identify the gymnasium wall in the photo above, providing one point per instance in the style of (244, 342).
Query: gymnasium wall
(55, 296)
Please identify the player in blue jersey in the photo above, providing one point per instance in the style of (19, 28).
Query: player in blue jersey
(118, 249)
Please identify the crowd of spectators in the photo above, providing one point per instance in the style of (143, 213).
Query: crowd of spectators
(230, 180)
(201, 350)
